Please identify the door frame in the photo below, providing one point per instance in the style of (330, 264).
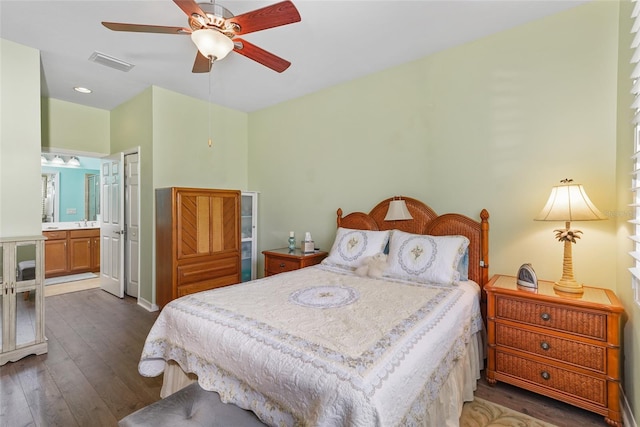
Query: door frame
(135, 150)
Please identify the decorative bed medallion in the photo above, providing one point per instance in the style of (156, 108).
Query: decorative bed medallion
(417, 254)
(324, 296)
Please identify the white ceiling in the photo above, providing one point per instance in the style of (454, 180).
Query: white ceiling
(335, 42)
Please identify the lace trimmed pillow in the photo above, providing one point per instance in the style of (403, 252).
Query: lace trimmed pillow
(351, 246)
(425, 259)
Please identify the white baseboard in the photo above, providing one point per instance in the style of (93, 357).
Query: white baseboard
(627, 415)
(147, 305)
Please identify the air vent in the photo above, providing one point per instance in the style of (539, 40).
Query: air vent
(110, 61)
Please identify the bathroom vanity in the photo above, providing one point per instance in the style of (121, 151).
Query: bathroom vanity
(71, 248)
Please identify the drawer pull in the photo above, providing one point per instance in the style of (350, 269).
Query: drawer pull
(282, 265)
(545, 375)
(545, 345)
(545, 316)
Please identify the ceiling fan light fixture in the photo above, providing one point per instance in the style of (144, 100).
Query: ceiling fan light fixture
(211, 43)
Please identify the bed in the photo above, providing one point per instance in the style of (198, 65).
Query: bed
(328, 346)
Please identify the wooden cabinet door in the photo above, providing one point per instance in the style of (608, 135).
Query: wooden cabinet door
(207, 223)
(55, 255)
(95, 254)
(79, 254)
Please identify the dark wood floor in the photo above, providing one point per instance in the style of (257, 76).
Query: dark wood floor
(90, 376)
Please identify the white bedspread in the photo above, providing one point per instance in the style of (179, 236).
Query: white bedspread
(319, 347)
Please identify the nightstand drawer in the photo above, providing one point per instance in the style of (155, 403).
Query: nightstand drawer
(574, 352)
(583, 386)
(280, 265)
(576, 321)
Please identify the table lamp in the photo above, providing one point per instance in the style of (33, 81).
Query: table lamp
(568, 202)
(397, 210)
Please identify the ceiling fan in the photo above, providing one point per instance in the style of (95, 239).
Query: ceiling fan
(214, 30)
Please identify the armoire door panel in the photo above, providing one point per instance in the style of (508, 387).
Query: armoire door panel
(205, 225)
(230, 230)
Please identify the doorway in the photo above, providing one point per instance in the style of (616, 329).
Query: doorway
(93, 199)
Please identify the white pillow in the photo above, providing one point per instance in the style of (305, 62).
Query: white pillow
(351, 246)
(425, 259)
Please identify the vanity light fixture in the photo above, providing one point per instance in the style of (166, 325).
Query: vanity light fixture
(82, 89)
(57, 161)
(73, 161)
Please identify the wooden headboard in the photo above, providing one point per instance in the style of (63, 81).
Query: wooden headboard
(426, 221)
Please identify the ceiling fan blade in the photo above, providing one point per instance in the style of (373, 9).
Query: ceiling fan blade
(137, 28)
(260, 55)
(202, 64)
(190, 7)
(282, 13)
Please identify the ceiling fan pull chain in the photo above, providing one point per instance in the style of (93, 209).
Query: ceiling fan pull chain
(209, 113)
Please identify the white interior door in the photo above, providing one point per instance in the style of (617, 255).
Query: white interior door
(132, 224)
(112, 230)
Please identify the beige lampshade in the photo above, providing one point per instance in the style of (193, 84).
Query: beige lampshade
(397, 211)
(569, 202)
(212, 43)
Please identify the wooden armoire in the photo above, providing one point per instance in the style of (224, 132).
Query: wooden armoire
(197, 241)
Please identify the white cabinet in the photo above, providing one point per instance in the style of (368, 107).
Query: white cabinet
(21, 298)
(249, 235)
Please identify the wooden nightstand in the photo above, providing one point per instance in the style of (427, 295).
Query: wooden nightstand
(565, 347)
(281, 260)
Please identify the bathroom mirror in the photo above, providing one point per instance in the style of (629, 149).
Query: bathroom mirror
(50, 200)
(92, 196)
(70, 188)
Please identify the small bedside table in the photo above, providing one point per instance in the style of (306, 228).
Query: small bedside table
(563, 346)
(281, 260)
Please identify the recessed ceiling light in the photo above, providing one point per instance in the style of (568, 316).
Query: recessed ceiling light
(82, 89)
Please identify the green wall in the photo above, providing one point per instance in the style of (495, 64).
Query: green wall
(132, 129)
(19, 140)
(491, 124)
(75, 127)
(182, 156)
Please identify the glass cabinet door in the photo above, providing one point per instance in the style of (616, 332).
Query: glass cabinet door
(25, 314)
(21, 298)
(2, 298)
(248, 211)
